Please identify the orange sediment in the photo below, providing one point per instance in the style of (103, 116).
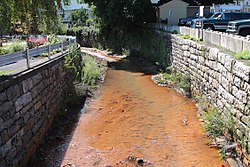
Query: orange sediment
(133, 118)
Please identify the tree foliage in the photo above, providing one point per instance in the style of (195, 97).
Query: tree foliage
(121, 19)
(29, 14)
(201, 2)
(79, 17)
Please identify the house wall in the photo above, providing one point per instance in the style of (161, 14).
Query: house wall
(192, 10)
(173, 10)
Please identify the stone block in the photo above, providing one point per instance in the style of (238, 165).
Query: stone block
(241, 70)
(23, 101)
(7, 106)
(3, 97)
(3, 162)
(5, 149)
(27, 85)
(37, 106)
(245, 120)
(229, 63)
(34, 92)
(11, 155)
(13, 93)
(27, 137)
(37, 78)
(4, 136)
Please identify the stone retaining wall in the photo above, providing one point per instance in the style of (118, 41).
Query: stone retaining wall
(221, 78)
(29, 103)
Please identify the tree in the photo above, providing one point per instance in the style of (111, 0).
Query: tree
(122, 19)
(79, 17)
(30, 13)
(201, 2)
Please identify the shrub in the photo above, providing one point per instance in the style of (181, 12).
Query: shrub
(33, 42)
(217, 124)
(52, 39)
(91, 71)
(4, 50)
(16, 46)
(213, 122)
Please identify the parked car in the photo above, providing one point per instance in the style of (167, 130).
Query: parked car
(183, 21)
(221, 21)
(187, 21)
(195, 23)
(240, 27)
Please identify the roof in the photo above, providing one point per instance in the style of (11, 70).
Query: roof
(190, 2)
(74, 5)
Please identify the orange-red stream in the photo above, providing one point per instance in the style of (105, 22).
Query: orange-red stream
(131, 116)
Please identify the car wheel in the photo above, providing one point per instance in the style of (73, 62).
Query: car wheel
(245, 32)
(209, 27)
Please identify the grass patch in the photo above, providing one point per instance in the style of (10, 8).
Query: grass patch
(244, 55)
(176, 79)
(191, 38)
(4, 72)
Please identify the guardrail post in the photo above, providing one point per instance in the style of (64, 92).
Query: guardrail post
(28, 57)
(62, 47)
(49, 50)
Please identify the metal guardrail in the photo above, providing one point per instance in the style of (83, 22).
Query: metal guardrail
(29, 53)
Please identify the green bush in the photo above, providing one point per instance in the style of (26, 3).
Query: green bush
(214, 123)
(73, 62)
(83, 70)
(217, 124)
(91, 71)
(15, 46)
(52, 39)
(4, 50)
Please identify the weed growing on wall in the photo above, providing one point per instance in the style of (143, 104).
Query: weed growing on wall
(244, 55)
(215, 123)
(191, 38)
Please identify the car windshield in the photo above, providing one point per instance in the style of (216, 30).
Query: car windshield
(215, 15)
(209, 15)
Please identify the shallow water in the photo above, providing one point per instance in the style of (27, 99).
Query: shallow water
(133, 117)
